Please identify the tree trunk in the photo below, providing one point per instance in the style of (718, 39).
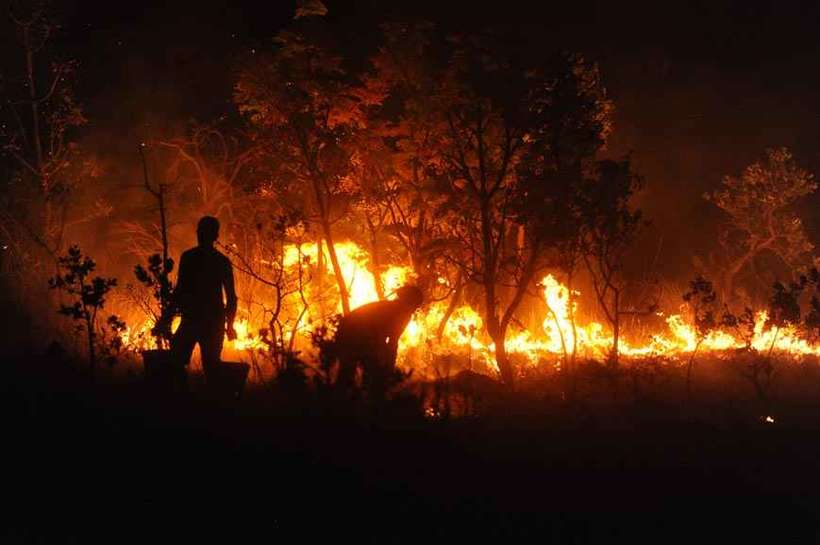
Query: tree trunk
(734, 269)
(501, 358)
(92, 354)
(323, 209)
(571, 311)
(375, 259)
(499, 329)
(495, 328)
(327, 231)
(564, 350)
(36, 138)
(320, 279)
(689, 369)
(337, 269)
(616, 326)
(32, 90)
(451, 307)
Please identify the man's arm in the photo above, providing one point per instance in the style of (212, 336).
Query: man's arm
(178, 294)
(230, 300)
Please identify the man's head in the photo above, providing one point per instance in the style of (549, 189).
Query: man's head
(207, 230)
(411, 296)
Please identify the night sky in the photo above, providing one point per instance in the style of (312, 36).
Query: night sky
(701, 88)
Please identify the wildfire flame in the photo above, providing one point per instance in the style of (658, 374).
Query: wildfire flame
(464, 332)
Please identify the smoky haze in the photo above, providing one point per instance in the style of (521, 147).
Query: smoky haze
(700, 89)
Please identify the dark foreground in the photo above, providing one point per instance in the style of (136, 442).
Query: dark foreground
(114, 465)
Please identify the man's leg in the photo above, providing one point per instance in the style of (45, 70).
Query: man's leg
(346, 376)
(375, 378)
(182, 343)
(210, 346)
(182, 346)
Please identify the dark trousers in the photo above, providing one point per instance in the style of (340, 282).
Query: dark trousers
(208, 333)
(375, 372)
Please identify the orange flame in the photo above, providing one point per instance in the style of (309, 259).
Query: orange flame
(464, 331)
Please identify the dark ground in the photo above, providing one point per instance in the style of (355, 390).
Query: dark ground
(116, 465)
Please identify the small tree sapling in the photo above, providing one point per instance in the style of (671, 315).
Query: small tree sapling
(86, 297)
(156, 278)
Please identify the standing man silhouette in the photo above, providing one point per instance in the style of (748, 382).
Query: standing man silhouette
(204, 273)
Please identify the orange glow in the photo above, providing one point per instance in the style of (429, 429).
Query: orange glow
(464, 334)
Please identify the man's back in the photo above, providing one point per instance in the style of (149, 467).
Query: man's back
(203, 272)
(369, 336)
(372, 323)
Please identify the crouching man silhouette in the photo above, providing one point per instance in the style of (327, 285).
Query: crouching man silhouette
(369, 336)
(204, 273)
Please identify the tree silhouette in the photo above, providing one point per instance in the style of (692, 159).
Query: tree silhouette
(702, 299)
(87, 296)
(515, 140)
(609, 225)
(759, 205)
(37, 123)
(303, 104)
(403, 167)
(155, 277)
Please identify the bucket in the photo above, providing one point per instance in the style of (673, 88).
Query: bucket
(228, 378)
(162, 372)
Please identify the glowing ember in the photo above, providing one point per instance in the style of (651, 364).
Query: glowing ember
(244, 339)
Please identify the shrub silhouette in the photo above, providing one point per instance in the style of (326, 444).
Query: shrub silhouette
(155, 278)
(87, 297)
